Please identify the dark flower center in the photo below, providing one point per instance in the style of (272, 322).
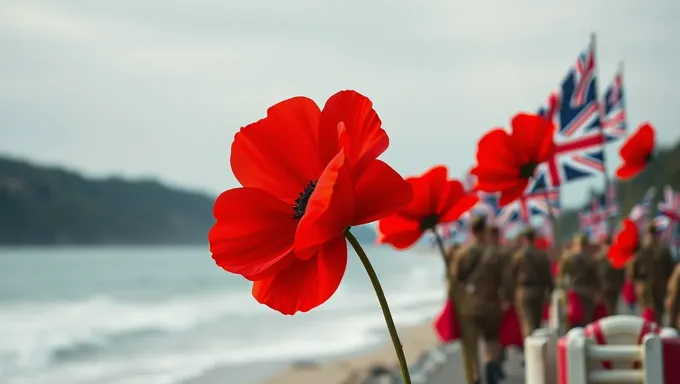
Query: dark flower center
(649, 157)
(429, 222)
(527, 170)
(300, 205)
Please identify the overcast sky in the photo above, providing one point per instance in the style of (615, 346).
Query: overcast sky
(158, 88)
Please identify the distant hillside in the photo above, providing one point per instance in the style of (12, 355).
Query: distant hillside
(664, 170)
(44, 206)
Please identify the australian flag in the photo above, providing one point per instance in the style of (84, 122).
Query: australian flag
(614, 110)
(574, 109)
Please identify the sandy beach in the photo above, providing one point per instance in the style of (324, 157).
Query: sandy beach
(345, 370)
(417, 341)
(353, 370)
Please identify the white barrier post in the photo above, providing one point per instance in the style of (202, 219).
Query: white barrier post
(540, 350)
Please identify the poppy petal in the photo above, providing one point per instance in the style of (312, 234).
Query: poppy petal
(379, 192)
(628, 171)
(279, 153)
(495, 150)
(464, 204)
(305, 284)
(639, 146)
(512, 194)
(254, 232)
(427, 191)
(494, 180)
(330, 209)
(532, 136)
(399, 232)
(364, 139)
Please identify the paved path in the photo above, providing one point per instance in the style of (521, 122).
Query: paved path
(452, 371)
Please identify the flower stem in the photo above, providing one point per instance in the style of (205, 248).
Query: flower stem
(468, 361)
(383, 305)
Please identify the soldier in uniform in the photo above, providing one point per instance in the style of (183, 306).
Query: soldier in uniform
(504, 253)
(578, 273)
(611, 279)
(673, 299)
(478, 270)
(529, 282)
(650, 270)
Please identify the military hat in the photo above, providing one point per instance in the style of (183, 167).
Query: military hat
(478, 224)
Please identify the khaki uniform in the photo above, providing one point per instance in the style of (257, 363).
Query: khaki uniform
(673, 299)
(611, 281)
(529, 284)
(478, 269)
(579, 273)
(651, 269)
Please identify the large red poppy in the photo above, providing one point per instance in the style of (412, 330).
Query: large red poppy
(436, 200)
(636, 152)
(507, 161)
(626, 243)
(307, 176)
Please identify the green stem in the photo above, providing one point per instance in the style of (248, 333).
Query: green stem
(383, 305)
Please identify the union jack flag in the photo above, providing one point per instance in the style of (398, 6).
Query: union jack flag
(607, 202)
(539, 203)
(668, 218)
(545, 230)
(670, 231)
(641, 211)
(490, 208)
(574, 109)
(670, 205)
(593, 220)
(614, 110)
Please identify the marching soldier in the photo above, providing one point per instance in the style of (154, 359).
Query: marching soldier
(529, 282)
(611, 279)
(673, 299)
(578, 273)
(650, 270)
(479, 275)
(503, 253)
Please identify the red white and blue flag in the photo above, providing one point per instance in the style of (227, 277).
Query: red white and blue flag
(574, 108)
(668, 216)
(614, 110)
(641, 212)
(532, 204)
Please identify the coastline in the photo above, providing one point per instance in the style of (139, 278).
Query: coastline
(348, 368)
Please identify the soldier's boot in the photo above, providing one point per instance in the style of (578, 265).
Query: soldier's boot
(491, 372)
(501, 372)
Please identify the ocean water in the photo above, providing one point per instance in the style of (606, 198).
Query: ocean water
(161, 315)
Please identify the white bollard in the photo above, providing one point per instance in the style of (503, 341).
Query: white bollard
(540, 356)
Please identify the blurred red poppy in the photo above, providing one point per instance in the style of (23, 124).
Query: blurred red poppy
(636, 152)
(436, 200)
(542, 243)
(307, 176)
(626, 243)
(506, 162)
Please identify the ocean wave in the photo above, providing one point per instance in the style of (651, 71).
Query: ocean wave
(49, 337)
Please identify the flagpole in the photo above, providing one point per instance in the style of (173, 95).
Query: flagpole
(607, 181)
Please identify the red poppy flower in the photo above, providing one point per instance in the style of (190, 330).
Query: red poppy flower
(506, 162)
(436, 200)
(307, 176)
(636, 152)
(626, 243)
